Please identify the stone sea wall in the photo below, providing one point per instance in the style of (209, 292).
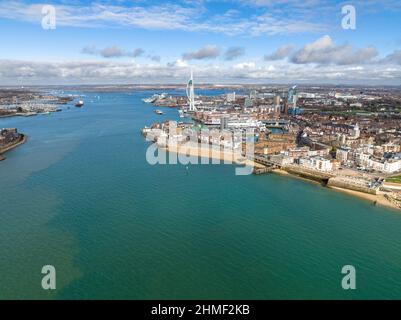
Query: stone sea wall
(333, 182)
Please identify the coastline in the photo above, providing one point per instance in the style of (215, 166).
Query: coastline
(378, 198)
(234, 157)
(198, 150)
(13, 146)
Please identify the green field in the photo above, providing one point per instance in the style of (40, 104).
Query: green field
(395, 179)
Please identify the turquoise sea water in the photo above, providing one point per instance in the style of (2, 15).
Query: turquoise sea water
(81, 196)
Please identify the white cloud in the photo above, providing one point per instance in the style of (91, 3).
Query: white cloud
(324, 51)
(281, 53)
(245, 65)
(191, 17)
(206, 52)
(233, 53)
(110, 71)
(178, 63)
(112, 52)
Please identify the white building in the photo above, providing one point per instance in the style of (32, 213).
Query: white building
(316, 163)
(387, 166)
(392, 166)
(230, 97)
(342, 154)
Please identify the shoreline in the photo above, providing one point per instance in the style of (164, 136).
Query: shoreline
(210, 153)
(375, 199)
(13, 146)
(379, 199)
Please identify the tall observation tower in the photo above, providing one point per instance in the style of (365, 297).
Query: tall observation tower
(190, 93)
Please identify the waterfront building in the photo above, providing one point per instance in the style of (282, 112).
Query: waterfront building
(316, 163)
(298, 152)
(282, 159)
(342, 154)
(386, 166)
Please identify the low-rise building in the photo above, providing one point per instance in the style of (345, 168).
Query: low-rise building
(316, 163)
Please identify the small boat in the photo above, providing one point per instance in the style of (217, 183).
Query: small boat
(79, 104)
(181, 113)
(158, 112)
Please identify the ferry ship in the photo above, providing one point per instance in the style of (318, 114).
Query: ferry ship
(155, 97)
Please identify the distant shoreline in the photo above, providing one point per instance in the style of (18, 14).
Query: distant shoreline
(16, 115)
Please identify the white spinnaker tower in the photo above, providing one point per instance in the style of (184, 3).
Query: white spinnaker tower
(190, 93)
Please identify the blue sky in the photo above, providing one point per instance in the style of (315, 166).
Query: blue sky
(254, 41)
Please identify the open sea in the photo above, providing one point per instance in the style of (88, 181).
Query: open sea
(80, 196)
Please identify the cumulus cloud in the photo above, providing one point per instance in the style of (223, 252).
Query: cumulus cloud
(233, 53)
(112, 52)
(324, 51)
(245, 65)
(206, 52)
(178, 63)
(281, 53)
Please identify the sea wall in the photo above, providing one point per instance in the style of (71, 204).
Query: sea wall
(338, 183)
(395, 200)
(308, 173)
